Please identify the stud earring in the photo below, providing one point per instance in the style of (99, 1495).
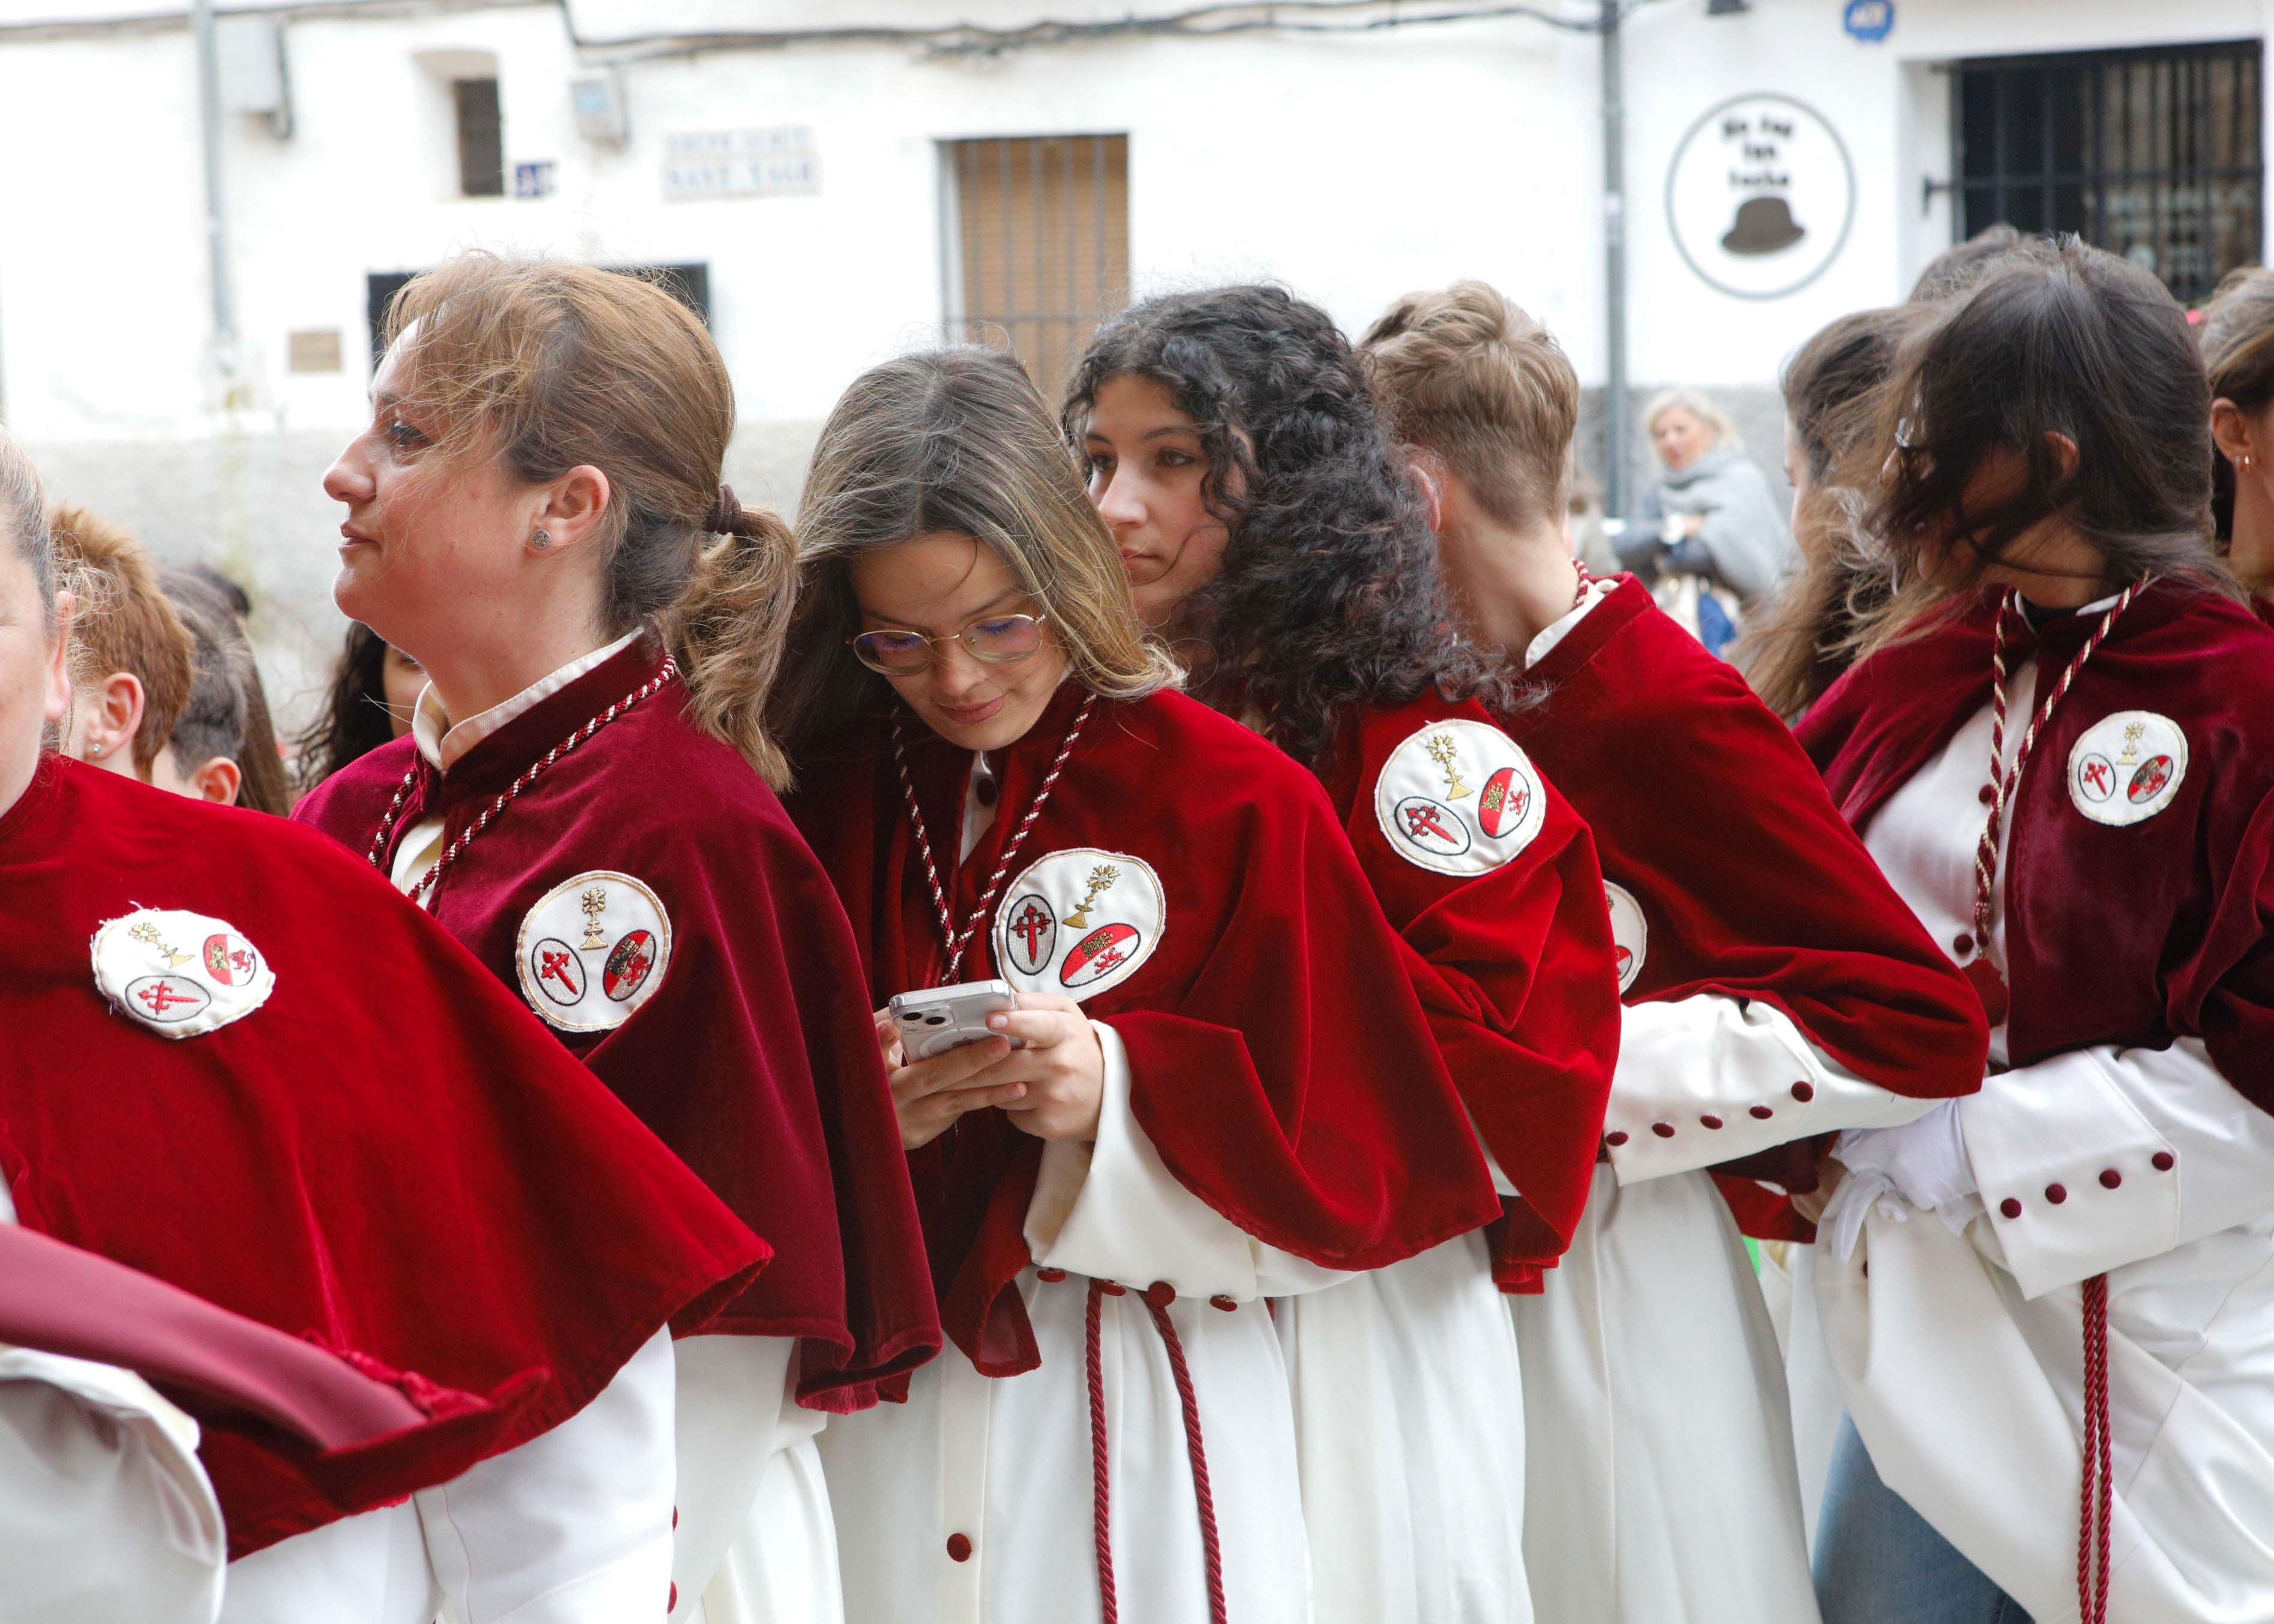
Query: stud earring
(2245, 461)
(541, 540)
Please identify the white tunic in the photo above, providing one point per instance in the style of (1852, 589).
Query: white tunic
(973, 1500)
(1663, 1487)
(753, 1539)
(105, 1511)
(1959, 1355)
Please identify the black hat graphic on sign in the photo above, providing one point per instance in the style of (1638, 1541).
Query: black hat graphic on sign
(1763, 226)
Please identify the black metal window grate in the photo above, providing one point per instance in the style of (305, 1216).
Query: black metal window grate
(2151, 153)
(481, 137)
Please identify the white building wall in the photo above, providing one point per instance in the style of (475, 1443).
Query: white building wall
(1352, 168)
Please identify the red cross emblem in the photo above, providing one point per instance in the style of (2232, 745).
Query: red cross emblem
(1421, 820)
(160, 996)
(1029, 927)
(2097, 776)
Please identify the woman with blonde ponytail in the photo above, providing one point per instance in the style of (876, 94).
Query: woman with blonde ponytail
(585, 799)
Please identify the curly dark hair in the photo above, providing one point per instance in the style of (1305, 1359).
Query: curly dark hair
(1329, 595)
(354, 721)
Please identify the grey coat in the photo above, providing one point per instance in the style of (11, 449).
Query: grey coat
(1745, 545)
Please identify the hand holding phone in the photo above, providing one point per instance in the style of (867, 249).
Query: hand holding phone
(940, 1019)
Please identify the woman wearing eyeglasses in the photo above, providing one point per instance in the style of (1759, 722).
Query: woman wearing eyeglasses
(534, 515)
(1223, 1088)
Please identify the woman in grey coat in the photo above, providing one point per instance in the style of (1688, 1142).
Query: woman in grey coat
(1712, 516)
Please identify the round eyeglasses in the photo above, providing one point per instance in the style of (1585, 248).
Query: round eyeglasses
(998, 640)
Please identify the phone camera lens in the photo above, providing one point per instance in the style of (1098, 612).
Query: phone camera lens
(934, 1020)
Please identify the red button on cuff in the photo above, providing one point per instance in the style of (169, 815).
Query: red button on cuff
(1664, 1130)
(2056, 1193)
(2010, 1207)
(1804, 1092)
(2110, 1178)
(1112, 1288)
(1763, 1112)
(674, 1602)
(1711, 1122)
(1053, 1275)
(959, 1548)
(1962, 944)
(1160, 1294)
(1985, 794)
(1227, 1304)
(1615, 1138)
(2161, 1161)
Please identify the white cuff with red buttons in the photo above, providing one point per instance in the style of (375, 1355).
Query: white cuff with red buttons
(1707, 1079)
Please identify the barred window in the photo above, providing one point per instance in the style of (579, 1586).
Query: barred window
(1035, 245)
(2151, 153)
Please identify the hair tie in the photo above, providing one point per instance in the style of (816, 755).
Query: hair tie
(726, 513)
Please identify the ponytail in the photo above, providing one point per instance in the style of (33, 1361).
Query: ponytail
(729, 629)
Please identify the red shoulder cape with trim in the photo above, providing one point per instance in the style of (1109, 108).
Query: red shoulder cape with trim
(386, 1156)
(1281, 1065)
(2179, 947)
(755, 1057)
(1750, 881)
(1515, 967)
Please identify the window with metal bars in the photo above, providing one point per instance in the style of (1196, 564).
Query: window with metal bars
(2151, 153)
(1035, 245)
(481, 137)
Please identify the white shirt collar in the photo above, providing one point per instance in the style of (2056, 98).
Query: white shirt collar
(1537, 649)
(444, 742)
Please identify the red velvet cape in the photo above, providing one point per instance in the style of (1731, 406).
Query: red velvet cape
(386, 1156)
(1752, 884)
(1280, 1064)
(1515, 969)
(756, 1059)
(2134, 936)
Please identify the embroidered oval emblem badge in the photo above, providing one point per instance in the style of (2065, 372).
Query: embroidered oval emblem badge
(1112, 911)
(1630, 931)
(2127, 767)
(1458, 797)
(593, 950)
(179, 974)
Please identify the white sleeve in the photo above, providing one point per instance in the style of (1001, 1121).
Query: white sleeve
(1113, 1211)
(1707, 1079)
(572, 1527)
(2103, 1156)
(104, 1511)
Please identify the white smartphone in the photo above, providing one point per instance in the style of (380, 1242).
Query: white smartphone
(944, 1018)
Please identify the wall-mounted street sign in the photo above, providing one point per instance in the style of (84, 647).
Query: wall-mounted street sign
(1868, 20)
(740, 163)
(1760, 196)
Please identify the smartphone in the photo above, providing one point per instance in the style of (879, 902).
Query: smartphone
(944, 1018)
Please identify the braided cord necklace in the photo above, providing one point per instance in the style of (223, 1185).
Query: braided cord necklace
(426, 882)
(1988, 982)
(958, 941)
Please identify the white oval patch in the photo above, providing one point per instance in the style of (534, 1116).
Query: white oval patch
(593, 950)
(180, 975)
(1630, 931)
(1078, 922)
(1460, 798)
(2127, 767)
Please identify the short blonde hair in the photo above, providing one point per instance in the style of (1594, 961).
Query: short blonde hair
(1699, 406)
(125, 623)
(954, 441)
(1466, 375)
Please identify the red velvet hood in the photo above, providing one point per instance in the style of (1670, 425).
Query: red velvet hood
(1513, 967)
(386, 1156)
(755, 1059)
(1280, 1065)
(2179, 947)
(1753, 886)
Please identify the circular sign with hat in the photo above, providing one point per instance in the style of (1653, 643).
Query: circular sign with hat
(1760, 196)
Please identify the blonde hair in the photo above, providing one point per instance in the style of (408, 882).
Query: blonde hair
(548, 365)
(1466, 375)
(125, 623)
(955, 441)
(1695, 402)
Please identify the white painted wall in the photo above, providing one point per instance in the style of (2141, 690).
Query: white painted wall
(1352, 168)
